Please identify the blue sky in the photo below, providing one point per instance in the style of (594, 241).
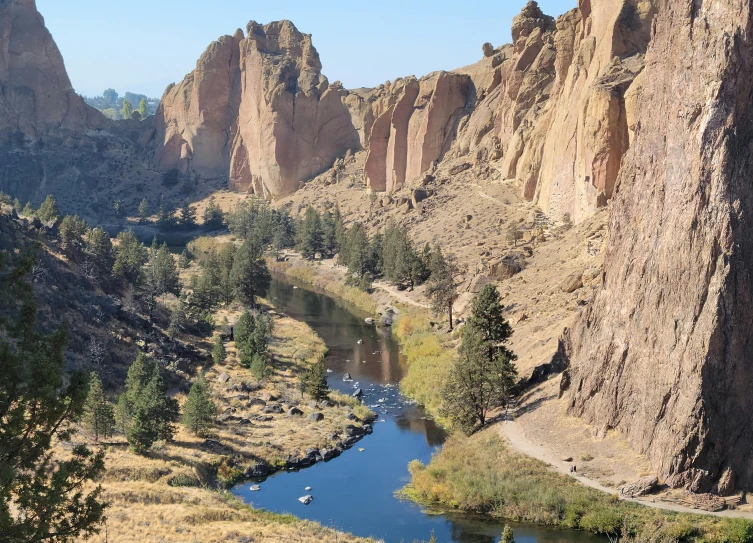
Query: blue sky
(143, 45)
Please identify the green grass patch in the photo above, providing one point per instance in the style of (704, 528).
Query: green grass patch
(479, 474)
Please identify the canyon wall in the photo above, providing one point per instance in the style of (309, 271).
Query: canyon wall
(258, 110)
(559, 104)
(664, 352)
(35, 92)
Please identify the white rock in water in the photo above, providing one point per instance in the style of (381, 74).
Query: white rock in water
(307, 489)
(255, 488)
(305, 500)
(360, 341)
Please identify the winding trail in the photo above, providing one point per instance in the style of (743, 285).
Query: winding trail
(511, 430)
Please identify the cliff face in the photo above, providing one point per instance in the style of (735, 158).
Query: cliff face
(258, 110)
(35, 92)
(414, 125)
(664, 352)
(562, 112)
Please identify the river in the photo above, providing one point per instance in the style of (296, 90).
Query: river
(355, 492)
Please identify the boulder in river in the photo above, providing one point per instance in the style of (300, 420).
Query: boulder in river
(347, 377)
(305, 500)
(358, 393)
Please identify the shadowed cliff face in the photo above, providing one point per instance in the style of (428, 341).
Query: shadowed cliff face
(664, 354)
(35, 92)
(258, 110)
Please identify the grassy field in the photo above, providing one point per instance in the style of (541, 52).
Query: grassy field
(176, 492)
(480, 474)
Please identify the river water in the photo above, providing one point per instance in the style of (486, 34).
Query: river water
(355, 492)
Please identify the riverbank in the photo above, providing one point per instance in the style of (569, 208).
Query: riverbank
(176, 492)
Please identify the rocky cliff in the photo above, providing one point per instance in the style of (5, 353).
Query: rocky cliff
(559, 106)
(258, 110)
(35, 92)
(664, 352)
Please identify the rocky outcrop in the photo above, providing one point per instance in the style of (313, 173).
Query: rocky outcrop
(35, 92)
(564, 108)
(415, 123)
(663, 354)
(258, 110)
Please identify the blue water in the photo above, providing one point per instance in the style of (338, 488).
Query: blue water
(355, 492)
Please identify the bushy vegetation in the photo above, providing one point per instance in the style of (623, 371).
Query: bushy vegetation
(481, 475)
(313, 381)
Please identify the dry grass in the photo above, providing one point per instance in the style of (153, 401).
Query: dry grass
(170, 494)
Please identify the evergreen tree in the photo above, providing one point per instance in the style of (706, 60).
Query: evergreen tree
(138, 376)
(313, 381)
(187, 216)
(219, 355)
(375, 254)
(154, 414)
(143, 109)
(41, 499)
(143, 211)
(513, 233)
(99, 416)
(442, 288)
(184, 261)
(127, 109)
(329, 238)
(399, 257)
(484, 375)
(357, 250)
(166, 218)
(226, 258)
(72, 232)
(243, 328)
(205, 295)
(118, 208)
(199, 410)
(214, 218)
(100, 250)
(249, 274)
(17, 205)
(177, 321)
(340, 230)
(48, 210)
(27, 211)
(310, 235)
(130, 257)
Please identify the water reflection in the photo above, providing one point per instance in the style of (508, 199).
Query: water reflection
(356, 491)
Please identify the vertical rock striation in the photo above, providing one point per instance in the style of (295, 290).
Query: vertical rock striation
(35, 92)
(664, 354)
(258, 110)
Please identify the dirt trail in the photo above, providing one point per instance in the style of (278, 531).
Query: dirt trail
(398, 295)
(520, 443)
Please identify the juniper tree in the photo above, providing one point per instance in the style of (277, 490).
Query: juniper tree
(138, 376)
(199, 410)
(99, 415)
(184, 260)
(143, 110)
(213, 216)
(40, 500)
(48, 210)
(143, 211)
(100, 250)
(187, 215)
(127, 109)
(218, 351)
(154, 414)
(313, 380)
(130, 257)
(27, 211)
(225, 285)
(249, 274)
(72, 232)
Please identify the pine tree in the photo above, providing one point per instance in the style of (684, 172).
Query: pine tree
(27, 211)
(53, 500)
(199, 410)
(218, 351)
(329, 238)
(442, 288)
(72, 232)
(100, 250)
(513, 233)
(214, 218)
(226, 258)
(48, 210)
(249, 274)
(17, 205)
(310, 235)
(184, 261)
(187, 216)
(166, 218)
(313, 381)
(99, 416)
(177, 321)
(138, 376)
(154, 414)
(130, 257)
(484, 375)
(143, 211)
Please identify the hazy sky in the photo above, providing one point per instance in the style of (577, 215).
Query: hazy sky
(143, 45)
